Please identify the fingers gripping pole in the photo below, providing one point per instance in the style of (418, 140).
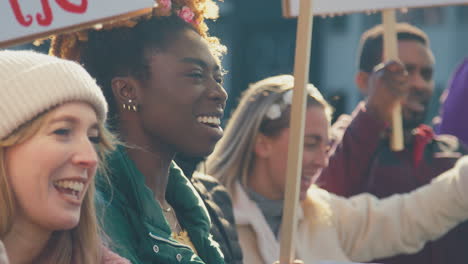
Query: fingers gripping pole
(296, 136)
(391, 53)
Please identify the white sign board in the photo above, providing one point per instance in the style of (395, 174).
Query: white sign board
(326, 7)
(26, 20)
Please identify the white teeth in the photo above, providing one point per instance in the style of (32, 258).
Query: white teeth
(72, 185)
(211, 120)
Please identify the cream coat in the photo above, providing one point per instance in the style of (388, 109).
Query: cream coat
(3, 255)
(361, 228)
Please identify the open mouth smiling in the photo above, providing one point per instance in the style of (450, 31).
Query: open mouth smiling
(212, 121)
(72, 189)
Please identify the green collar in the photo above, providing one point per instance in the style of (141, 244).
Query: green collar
(129, 188)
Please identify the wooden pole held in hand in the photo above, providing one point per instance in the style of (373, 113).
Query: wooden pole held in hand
(390, 48)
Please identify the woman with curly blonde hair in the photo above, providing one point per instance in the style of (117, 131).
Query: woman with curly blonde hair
(162, 77)
(52, 137)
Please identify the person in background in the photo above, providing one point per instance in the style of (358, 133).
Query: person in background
(251, 161)
(361, 159)
(162, 77)
(52, 138)
(452, 119)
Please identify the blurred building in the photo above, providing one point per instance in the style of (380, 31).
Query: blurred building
(261, 43)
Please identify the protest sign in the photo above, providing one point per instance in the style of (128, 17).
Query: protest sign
(338, 7)
(305, 9)
(24, 20)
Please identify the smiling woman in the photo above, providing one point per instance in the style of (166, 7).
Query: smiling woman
(52, 137)
(162, 77)
(251, 161)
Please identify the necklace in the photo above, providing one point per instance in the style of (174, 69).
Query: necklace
(171, 218)
(173, 222)
(167, 209)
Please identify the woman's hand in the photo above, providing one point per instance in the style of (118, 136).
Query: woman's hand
(3, 255)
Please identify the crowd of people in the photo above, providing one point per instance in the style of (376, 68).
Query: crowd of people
(90, 134)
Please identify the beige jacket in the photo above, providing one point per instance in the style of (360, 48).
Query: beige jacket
(3, 255)
(361, 228)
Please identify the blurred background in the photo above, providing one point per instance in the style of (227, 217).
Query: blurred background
(261, 43)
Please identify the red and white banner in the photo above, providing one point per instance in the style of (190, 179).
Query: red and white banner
(25, 20)
(326, 7)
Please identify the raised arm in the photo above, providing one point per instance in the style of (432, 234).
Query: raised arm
(355, 144)
(370, 228)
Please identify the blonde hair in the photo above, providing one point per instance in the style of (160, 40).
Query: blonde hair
(233, 157)
(81, 244)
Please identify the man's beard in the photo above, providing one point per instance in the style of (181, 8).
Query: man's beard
(415, 109)
(412, 120)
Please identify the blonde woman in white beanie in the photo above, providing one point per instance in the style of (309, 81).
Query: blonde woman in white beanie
(52, 137)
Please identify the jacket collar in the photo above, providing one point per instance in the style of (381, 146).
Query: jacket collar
(246, 212)
(128, 187)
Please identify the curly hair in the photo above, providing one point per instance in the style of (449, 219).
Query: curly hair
(119, 48)
(68, 45)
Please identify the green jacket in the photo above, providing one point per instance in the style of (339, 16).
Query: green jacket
(134, 221)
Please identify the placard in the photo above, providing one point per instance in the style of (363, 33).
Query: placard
(338, 7)
(26, 20)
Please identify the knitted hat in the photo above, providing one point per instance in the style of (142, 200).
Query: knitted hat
(31, 83)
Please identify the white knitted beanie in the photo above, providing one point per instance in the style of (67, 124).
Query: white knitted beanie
(31, 83)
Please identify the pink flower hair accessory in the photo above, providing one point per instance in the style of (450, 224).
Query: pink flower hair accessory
(165, 5)
(186, 14)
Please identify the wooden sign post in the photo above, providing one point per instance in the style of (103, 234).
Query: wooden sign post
(296, 139)
(24, 20)
(390, 47)
(305, 10)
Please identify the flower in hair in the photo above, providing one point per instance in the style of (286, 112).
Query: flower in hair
(287, 97)
(274, 112)
(186, 14)
(165, 5)
(311, 90)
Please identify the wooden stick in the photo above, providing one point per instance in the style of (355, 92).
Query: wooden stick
(296, 134)
(286, 8)
(391, 53)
